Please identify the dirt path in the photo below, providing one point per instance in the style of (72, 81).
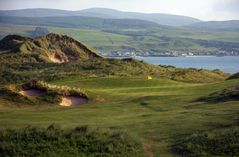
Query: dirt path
(147, 148)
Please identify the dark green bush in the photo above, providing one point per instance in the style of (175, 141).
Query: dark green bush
(224, 142)
(55, 142)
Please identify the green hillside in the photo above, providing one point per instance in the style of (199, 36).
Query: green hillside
(158, 39)
(231, 25)
(80, 22)
(163, 19)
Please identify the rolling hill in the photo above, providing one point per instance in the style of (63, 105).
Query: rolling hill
(163, 19)
(80, 22)
(154, 39)
(232, 25)
(110, 30)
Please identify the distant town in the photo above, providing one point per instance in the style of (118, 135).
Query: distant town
(169, 54)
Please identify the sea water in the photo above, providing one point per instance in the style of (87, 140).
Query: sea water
(228, 64)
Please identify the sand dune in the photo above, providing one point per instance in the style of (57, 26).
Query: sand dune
(73, 100)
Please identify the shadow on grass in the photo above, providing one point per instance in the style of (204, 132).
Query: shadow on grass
(148, 102)
(224, 95)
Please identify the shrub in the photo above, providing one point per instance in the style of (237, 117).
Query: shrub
(223, 142)
(55, 142)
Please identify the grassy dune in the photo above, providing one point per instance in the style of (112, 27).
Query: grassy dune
(158, 112)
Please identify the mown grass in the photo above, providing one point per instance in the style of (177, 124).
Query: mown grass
(159, 111)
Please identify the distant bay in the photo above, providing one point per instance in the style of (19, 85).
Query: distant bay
(228, 64)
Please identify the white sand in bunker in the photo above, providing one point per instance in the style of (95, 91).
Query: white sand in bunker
(73, 100)
(32, 92)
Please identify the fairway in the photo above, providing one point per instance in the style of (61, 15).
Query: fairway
(125, 80)
(158, 112)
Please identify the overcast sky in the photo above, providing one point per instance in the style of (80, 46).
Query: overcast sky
(202, 9)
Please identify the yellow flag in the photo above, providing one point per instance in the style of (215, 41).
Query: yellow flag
(149, 77)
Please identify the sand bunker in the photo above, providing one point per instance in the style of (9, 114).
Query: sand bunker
(73, 100)
(32, 92)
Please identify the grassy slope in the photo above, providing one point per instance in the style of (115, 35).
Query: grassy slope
(150, 40)
(158, 111)
(12, 71)
(94, 36)
(197, 34)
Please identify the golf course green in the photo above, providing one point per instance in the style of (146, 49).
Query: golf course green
(159, 112)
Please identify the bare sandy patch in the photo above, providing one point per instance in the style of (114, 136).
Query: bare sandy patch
(32, 92)
(99, 99)
(147, 148)
(55, 58)
(73, 101)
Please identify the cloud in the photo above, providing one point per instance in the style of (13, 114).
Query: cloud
(230, 6)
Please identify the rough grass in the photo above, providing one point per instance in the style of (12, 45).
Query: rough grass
(15, 97)
(234, 76)
(198, 75)
(55, 142)
(59, 90)
(18, 72)
(48, 48)
(222, 142)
